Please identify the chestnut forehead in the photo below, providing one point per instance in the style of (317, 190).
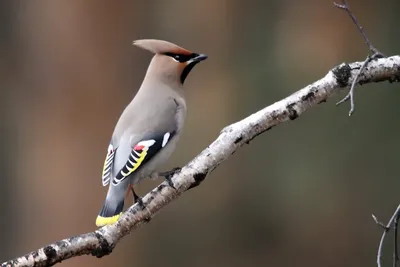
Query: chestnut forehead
(178, 51)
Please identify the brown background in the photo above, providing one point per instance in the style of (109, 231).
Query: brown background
(300, 195)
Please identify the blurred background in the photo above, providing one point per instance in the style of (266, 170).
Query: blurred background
(301, 194)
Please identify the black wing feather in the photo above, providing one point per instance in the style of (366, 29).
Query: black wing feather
(142, 152)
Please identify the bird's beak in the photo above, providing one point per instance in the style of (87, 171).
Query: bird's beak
(197, 59)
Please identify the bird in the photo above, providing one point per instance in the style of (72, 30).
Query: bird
(149, 128)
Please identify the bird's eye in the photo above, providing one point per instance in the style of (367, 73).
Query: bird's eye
(179, 57)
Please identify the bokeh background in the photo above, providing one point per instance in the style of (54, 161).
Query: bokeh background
(299, 195)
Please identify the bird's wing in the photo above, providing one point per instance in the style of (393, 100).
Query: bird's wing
(141, 153)
(108, 165)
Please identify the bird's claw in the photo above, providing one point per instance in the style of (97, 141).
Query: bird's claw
(169, 181)
(137, 199)
(168, 175)
(140, 202)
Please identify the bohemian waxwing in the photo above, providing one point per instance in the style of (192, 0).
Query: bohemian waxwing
(150, 126)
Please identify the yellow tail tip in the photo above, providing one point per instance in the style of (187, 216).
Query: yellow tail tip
(101, 221)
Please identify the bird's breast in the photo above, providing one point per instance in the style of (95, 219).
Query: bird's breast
(180, 114)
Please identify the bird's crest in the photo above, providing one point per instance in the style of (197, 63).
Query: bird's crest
(160, 47)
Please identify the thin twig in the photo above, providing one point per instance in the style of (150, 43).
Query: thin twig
(345, 6)
(395, 250)
(375, 54)
(386, 230)
(350, 95)
(381, 224)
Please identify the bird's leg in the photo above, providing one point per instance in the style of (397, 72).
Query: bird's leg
(168, 175)
(137, 199)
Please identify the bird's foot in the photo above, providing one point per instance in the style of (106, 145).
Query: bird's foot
(168, 175)
(140, 202)
(137, 199)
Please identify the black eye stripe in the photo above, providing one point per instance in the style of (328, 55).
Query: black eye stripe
(180, 57)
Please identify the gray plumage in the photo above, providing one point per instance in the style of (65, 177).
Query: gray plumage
(154, 118)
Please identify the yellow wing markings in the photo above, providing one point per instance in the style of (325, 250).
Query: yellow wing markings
(135, 159)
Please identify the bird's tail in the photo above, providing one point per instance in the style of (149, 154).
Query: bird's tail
(110, 212)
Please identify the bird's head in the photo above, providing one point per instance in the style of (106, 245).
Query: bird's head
(170, 62)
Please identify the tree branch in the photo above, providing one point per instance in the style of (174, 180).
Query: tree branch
(386, 228)
(375, 54)
(101, 242)
(395, 249)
